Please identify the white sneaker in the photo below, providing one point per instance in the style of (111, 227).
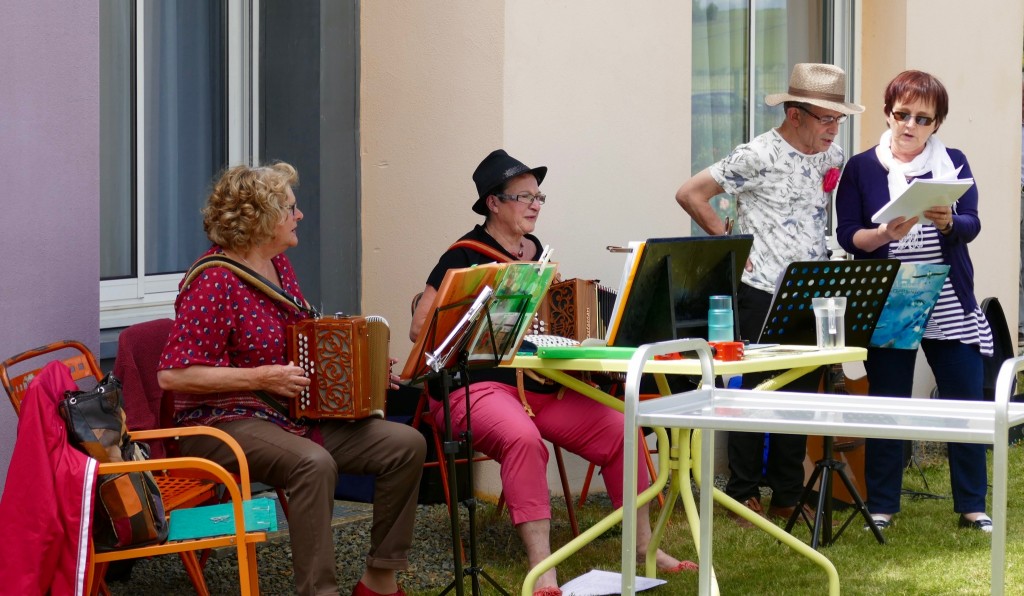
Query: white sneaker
(983, 523)
(880, 521)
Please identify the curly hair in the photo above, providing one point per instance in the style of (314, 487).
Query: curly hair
(246, 204)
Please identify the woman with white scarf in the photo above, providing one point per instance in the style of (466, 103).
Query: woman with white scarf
(957, 334)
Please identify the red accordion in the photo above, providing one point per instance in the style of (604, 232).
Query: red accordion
(346, 360)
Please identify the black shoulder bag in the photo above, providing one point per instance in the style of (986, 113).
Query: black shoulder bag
(95, 423)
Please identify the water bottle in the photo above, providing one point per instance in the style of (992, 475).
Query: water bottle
(720, 319)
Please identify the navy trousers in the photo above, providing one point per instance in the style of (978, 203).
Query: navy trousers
(959, 374)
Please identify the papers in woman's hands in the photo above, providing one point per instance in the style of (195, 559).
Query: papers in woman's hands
(921, 195)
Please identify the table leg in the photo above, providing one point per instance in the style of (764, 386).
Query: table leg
(699, 448)
(630, 503)
(1000, 458)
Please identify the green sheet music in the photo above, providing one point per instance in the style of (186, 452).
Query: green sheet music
(590, 352)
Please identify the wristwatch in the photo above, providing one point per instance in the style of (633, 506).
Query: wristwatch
(948, 228)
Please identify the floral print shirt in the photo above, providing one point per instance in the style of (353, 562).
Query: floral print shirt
(780, 199)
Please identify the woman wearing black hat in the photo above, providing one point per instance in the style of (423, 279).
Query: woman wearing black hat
(510, 199)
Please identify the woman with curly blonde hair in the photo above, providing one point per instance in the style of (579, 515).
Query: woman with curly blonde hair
(228, 343)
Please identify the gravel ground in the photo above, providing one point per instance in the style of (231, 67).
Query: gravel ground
(431, 566)
(430, 561)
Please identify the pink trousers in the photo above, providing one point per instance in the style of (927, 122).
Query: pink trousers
(504, 431)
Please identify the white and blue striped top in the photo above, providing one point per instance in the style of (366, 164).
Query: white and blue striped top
(948, 320)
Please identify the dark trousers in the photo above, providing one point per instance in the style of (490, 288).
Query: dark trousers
(784, 468)
(392, 452)
(959, 374)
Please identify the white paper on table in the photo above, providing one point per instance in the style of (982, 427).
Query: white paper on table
(921, 195)
(602, 583)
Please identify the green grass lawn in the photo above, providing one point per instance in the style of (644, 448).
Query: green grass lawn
(925, 552)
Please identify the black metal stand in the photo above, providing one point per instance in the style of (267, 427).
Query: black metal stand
(821, 529)
(791, 321)
(913, 463)
(824, 468)
(469, 331)
(451, 448)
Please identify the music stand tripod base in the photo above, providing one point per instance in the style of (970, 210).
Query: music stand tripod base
(865, 284)
(451, 447)
(821, 529)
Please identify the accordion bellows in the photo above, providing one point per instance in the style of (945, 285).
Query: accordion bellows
(575, 308)
(346, 360)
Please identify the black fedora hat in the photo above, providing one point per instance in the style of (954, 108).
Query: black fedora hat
(495, 170)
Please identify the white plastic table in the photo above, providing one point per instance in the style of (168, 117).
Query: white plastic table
(712, 409)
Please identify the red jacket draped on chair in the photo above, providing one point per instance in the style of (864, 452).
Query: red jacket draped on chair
(46, 508)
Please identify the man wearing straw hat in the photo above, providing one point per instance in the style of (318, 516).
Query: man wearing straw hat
(781, 181)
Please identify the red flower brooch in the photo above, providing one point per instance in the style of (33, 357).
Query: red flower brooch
(831, 179)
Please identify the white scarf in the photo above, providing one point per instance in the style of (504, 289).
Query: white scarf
(934, 159)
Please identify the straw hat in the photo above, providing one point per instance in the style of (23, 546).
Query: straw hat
(822, 85)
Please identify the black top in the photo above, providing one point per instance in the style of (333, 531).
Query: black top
(460, 258)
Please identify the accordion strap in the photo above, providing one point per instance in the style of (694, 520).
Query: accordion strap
(263, 284)
(480, 247)
(250, 276)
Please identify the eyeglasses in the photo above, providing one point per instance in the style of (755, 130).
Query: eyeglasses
(525, 197)
(920, 120)
(826, 120)
(291, 208)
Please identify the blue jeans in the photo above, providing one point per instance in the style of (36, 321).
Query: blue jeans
(959, 375)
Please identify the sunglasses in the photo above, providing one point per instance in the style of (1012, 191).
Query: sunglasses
(920, 120)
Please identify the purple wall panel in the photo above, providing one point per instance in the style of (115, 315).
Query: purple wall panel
(49, 202)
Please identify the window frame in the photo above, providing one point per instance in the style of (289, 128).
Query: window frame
(131, 300)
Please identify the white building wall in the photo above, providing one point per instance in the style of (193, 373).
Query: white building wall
(598, 91)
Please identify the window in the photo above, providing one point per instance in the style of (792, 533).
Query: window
(175, 109)
(744, 50)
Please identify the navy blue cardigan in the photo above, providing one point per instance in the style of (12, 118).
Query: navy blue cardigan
(864, 189)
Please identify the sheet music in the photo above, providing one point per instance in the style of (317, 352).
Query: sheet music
(602, 583)
(921, 195)
(494, 325)
(516, 298)
(440, 356)
(632, 254)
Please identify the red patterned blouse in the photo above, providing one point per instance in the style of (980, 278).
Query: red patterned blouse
(223, 321)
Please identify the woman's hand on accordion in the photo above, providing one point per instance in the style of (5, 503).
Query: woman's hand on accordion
(392, 376)
(285, 380)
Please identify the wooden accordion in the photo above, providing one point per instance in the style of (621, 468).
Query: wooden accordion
(346, 360)
(576, 308)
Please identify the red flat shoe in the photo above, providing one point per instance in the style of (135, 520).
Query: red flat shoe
(682, 566)
(548, 591)
(362, 590)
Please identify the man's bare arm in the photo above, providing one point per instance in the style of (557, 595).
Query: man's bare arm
(695, 195)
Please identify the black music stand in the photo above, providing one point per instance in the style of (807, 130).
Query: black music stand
(865, 285)
(667, 295)
(489, 331)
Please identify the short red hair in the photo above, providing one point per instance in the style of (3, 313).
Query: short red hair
(913, 85)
